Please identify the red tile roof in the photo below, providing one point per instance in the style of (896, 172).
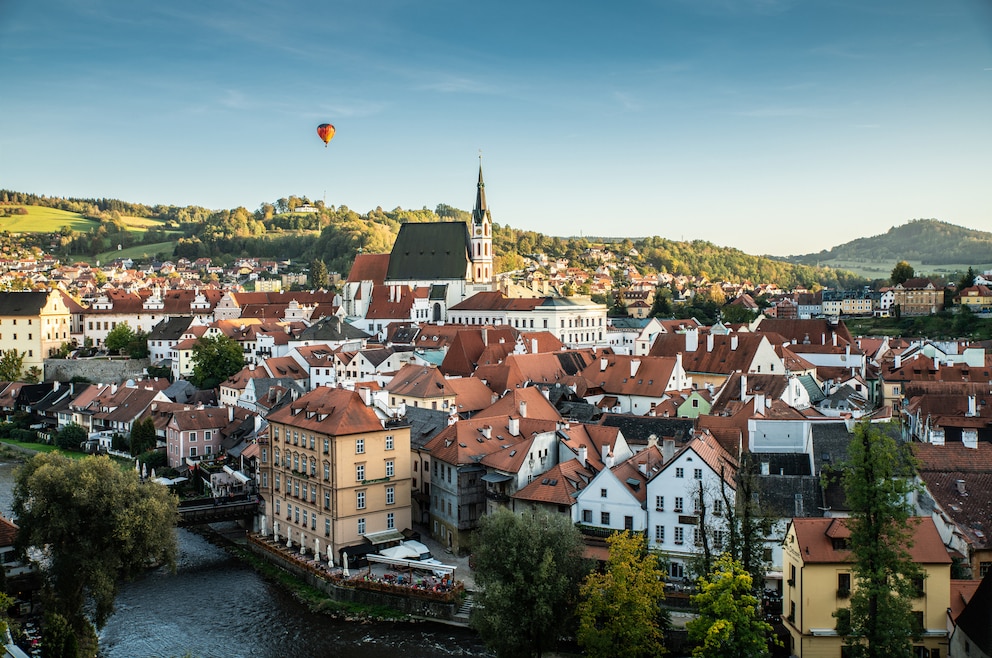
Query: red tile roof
(332, 411)
(816, 546)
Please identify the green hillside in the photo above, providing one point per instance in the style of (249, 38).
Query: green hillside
(929, 245)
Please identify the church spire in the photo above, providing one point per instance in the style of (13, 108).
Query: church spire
(480, 215)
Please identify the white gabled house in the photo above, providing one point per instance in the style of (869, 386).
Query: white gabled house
(613, 501)
(688, 497)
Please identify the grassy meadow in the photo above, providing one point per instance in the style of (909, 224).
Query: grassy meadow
(48, 220)
(141, 251)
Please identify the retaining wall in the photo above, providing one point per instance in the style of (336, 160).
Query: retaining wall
(102, 371)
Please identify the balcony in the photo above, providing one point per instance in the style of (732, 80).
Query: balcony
(498, 497)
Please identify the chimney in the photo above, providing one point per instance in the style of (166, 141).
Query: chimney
(603, 363)
(487, 431)
(634, 365)
(759, 404)
(733, 342)
(667, 449)
(583, 455)
(709, 342)
(834, 338)
(765, 468)
(230, 414)
(972, 406)
(743, 387)
(546, 392)
(691, 340)
(609, 460)
(962, 491)
(823, 338)
(485, 337)
(523, 408)
(936, 363)
(514, 426)
(533, 346)
(898, 363)
(366, 394)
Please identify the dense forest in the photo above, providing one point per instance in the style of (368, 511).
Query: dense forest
(336, 234)
(927, 241)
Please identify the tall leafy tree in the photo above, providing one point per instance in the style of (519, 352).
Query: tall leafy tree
(143, 436)
(11, 365)
(620, 608)
(528, 569)
(968, 280)
(215, 358)
(71, 437)
(729, 624)
(119, 337)
(96, 526)
(877, 484)
(902, 272)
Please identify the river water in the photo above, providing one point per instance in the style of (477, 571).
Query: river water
(214, 606)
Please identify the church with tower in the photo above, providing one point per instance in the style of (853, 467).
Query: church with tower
(432, 266)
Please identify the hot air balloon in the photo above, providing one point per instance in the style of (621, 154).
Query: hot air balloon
(326, 132)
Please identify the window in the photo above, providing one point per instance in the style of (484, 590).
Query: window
(718, 506)
(697, 537)
(389, 468)
(678, 504)
(327, 527)
(680, 472)
(360, 499)
(390, 521)
(389, 442)
(192, 436)
(327, 446)
(587, 516)
(206, 435)
(327, 500)
(697, 474)
(604, 518)
(296, 488)
(313, 466)
(602, 493)
(277, 484)
(843, 585)
(628, 523)
(718, 538)
(659, 534)
(679, 534)
(360, 472)
(659, 503)
(390, 495)
(327, 471)
(296, 463)
(361, 526)
(192, 451)
(277, 506)
(359, 446)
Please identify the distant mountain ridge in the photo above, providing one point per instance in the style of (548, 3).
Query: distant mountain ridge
(926, 241)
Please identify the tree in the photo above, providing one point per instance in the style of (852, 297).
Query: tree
(318, 274)
(119, 337)
(215, 358)
(968, 280)
(747, 524)
(661, 307)
(71, 437)
(877, 486)
(96, 525)
(11, 363)
(620, 609)
(143, 436)
(528, 568)
(729, 624)
(902, 272)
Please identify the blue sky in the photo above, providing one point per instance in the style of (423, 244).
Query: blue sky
(774, 126)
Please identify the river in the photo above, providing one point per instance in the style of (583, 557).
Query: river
(215, 606)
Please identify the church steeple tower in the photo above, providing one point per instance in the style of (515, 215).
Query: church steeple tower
(482, 235)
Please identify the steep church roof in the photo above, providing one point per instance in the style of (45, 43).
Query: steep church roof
(430, 251)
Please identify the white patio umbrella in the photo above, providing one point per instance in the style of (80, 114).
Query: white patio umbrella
(330, 555)
(303, 543)
(137, 466)
(275, 530)
(344, 565)
(144, 471)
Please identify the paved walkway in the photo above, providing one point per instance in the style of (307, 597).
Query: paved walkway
(462, 572)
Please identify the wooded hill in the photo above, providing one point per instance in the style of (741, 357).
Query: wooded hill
(335, 235)
(928, 242)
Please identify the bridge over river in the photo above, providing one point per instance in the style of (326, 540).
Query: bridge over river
(215, 510)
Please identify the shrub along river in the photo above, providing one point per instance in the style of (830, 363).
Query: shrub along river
(215, 606)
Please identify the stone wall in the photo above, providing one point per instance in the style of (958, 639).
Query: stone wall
(101, 371)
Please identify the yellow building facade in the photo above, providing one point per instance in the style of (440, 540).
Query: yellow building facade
(820, 580)
(335, 476)
(34, 324)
